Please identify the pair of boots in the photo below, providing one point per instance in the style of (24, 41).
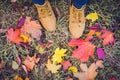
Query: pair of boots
(48, 20)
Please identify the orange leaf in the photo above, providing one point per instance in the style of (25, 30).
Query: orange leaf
(30, 62)
(91, 33)
(107, 37)
(84, 51)
(31, 28)
(14, 36)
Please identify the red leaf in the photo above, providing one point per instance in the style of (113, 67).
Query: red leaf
(14, 36)
(75, 42)
(66, 64)
(84, 51)
(107, 37)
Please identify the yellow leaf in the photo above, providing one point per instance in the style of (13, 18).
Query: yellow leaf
(25, 38)
(57, 59)
(92, 16)
(98, 34)
(73, 69)
(17, 78)
(59, 53)
(52, 67)
(27, 78)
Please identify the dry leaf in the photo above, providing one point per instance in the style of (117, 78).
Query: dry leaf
(31, 28)
(66, 64)
(59, 53)
(92, 16)
(89, 73)
(83, 67)
(52, 67)
(107, 37)
(15, 65)
(30, 62)
(2, 64)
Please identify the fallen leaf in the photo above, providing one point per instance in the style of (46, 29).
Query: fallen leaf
(59, 53)
(91, 33)
(52, 67)
(21, 22)
(73, 69)
(27, 78)
(66, 64)
(107, 37)
(15, 65)
(40, 49)
(31, 28)
(99, 63)
(14, 36)
(30, 62)
(89, 73)
(25, 38)
(17, 78)
(100, 53)
(83, 67)
(2, 64)
(97, 33)
(84, 51)
(92, 16)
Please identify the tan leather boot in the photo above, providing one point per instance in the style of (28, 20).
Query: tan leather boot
(76, 21)
(46, 16)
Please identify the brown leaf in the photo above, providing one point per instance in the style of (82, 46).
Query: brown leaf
(99, 63)
(30, 62)
(2, 64)
(83, 67)
(89, 73)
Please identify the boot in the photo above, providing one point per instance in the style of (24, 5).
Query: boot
(76, 21)
(46, 16)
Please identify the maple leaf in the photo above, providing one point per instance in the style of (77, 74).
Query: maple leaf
(59, 53)
(14, 36)
(52, 67)
(89, 73)
(107, 37)
(92, 16)
(30, 62)
(31, 28)
(66, 64)
(84, 51)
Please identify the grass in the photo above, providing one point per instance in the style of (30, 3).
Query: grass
(108, 10)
